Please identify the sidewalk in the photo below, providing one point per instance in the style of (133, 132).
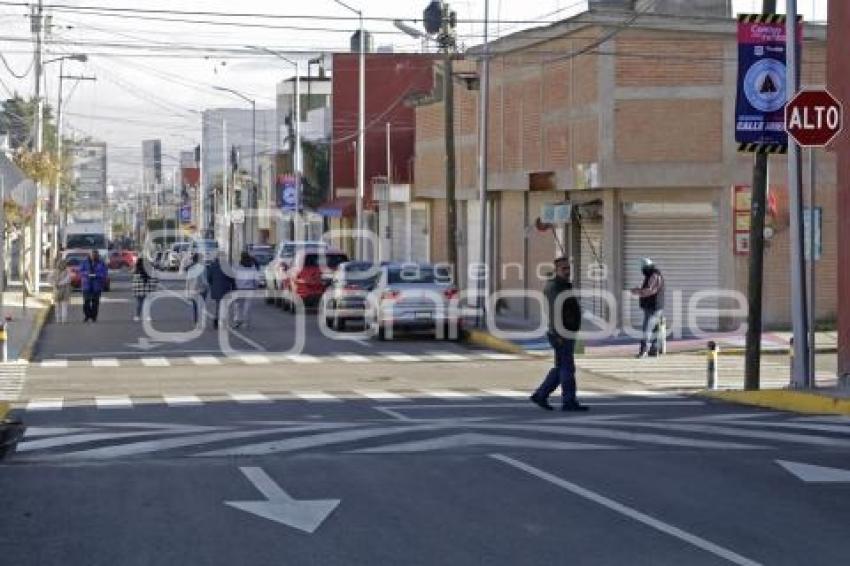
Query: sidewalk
(24, 326)
(623, 345)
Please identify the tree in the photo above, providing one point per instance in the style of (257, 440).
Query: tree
(17, 119)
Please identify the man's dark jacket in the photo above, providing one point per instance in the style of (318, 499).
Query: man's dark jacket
(570, 311)
(219, 282)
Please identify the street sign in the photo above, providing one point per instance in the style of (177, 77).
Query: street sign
(761, 92)
(813, 118)
(237, 217)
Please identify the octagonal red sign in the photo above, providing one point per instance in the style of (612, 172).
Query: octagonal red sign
(813, 118)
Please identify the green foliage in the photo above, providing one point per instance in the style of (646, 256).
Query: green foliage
(17, 119)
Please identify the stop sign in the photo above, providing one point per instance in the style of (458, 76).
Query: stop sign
(813, 118)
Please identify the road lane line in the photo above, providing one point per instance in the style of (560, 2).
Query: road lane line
(353, 358)
(446, 394)
(399, 357)
(182, 400)
(105, 362)
(254, 359)
(117, 402)
(303, 359)
(447, 357)
(249, 398)
(205, 360)
(382, 395)
(498, 356)
(54, 364)
(45, 404)
(505, 393)
(155, 362)
(629, 512)
(316, 396)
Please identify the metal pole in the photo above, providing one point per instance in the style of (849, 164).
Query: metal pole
(245, 196)
(799, 318)
(296, 153)
(2, 243)
(752, 360)
(484, 113)
(39, 146)
(451, 202)
(361, 140)
(201, 178)
(389, 189)
(57, 186)
(224, 165)
(812, 264)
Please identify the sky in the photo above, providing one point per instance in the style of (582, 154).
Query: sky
(156, 88)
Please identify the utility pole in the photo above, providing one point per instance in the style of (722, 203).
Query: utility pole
(799, 317)
(752, 361)
(37, 24)
(483, 132)
(439, 20)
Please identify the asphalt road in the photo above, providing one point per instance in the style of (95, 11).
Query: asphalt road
(171, 331)
(654, 481)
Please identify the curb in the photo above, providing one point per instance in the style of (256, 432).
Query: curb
(28, 349)
(487, 340)
(785, 400)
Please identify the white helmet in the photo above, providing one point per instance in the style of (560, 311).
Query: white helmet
(646, 262)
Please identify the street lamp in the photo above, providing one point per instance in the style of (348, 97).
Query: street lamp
(57, 209)
(297, 152)
(253, 148)
(361, 133)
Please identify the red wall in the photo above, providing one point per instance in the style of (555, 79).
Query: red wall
(839, 85)
(390, 79)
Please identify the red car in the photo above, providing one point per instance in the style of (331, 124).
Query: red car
(122, 259)
(308, 275)
(73, 261)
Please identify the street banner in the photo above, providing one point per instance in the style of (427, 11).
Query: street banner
(762, 89)
(287, 199)
(186, 214)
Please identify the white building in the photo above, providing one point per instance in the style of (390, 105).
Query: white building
(88, 165)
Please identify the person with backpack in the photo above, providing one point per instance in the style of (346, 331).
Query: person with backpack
(93, 275)
(143, 285)
(220, 282)
(564, 323)
(651, 300)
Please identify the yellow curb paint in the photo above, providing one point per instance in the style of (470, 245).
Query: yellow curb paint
(487, 340)
(785, 400)
(29, 348)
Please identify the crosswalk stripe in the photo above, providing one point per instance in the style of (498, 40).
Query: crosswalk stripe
(249, 398)
(505, 392)
(447, 357)
(119, 402)
(315, 396)
(303, 359)
(205, 360)
(54, 364)
(104, 362)
(45, 404)
(382, 395)
(254, 359)
(399, 357)
(155, 362)
(352, 358)
(498, 356)
(180, 400)
(446, 394)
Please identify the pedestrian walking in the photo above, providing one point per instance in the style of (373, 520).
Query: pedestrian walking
(93, 274)
(220, 282)
(143, 285)
(651, 300)
(564, 324)
(247, 279)
(61, 291)
(197, 288)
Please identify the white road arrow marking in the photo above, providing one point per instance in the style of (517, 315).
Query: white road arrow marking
(280, 507)
(810, 473)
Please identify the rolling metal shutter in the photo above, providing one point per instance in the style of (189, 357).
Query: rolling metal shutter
(684, 243)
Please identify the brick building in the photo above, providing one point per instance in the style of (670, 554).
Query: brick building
(628, 116)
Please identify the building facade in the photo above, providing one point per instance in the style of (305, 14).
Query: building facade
(88, 166)
(631, 121)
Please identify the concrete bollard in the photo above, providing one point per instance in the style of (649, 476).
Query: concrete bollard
(711, 371)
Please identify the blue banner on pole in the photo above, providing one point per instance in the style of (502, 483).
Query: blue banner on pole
(287, 198)
(762, 88)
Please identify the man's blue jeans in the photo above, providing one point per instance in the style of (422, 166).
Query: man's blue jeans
(651, 320)
(564, 371)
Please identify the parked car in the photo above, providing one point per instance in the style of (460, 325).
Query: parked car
(175, 257)
(309, 274)
(122, 259)
(263, 254)
(275, 270)
(73, 262)
(345, 298)
(412, 296)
